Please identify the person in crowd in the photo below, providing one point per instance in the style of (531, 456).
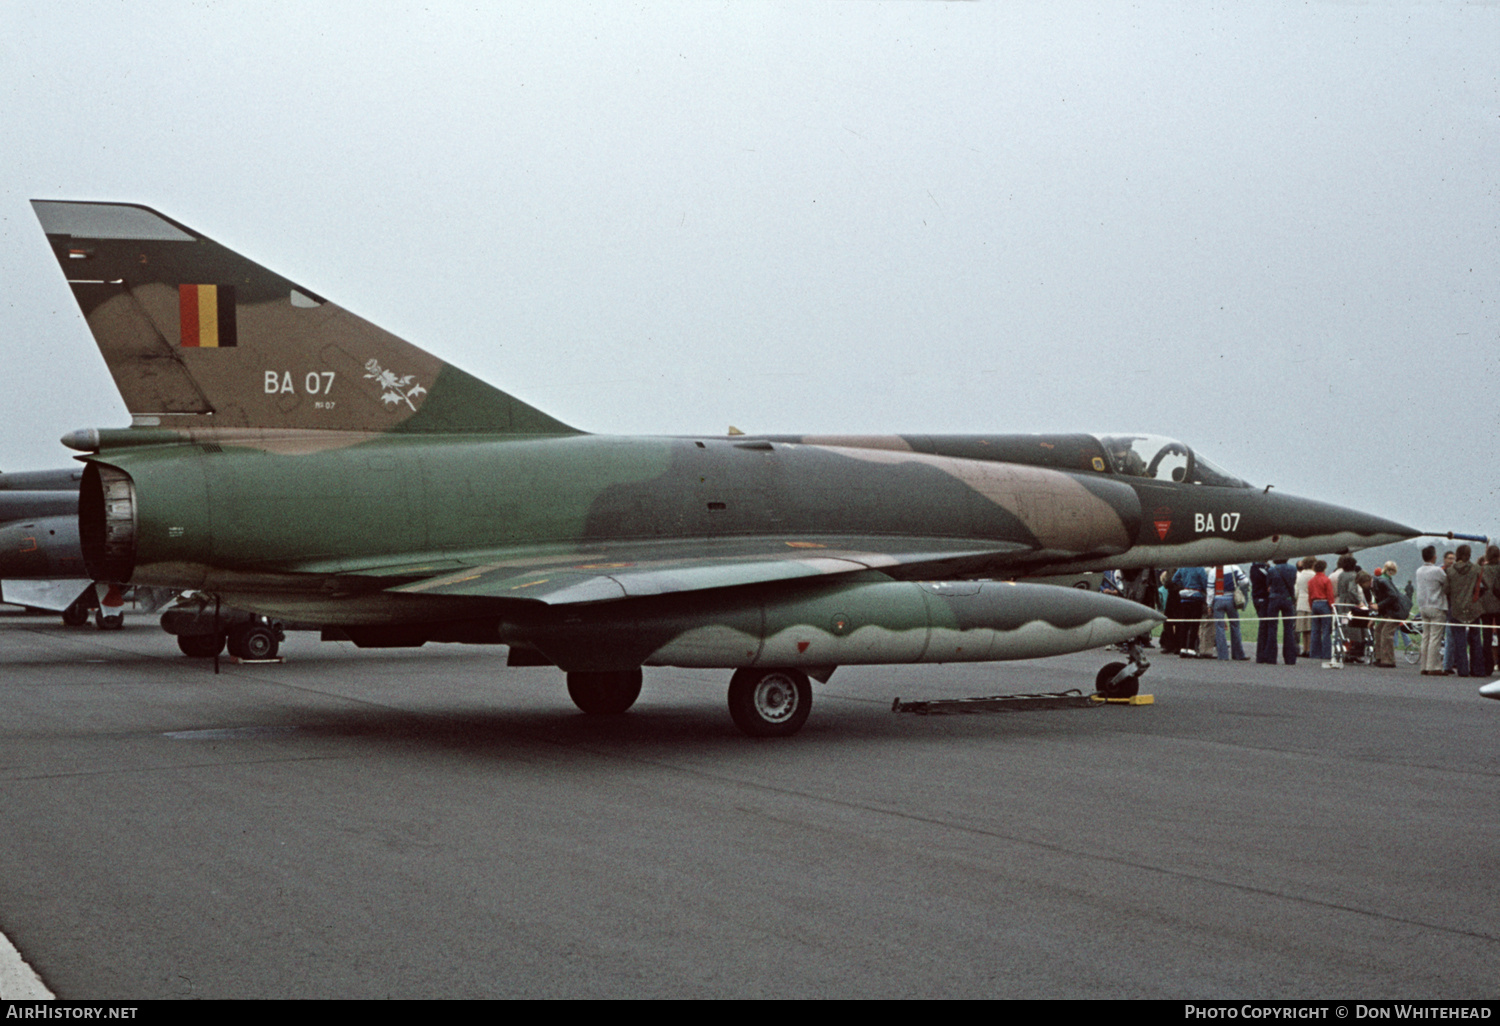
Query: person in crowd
(1171, 634)
(1139, 585)
(1348, 602)
(1388, 615)
(1449, 656)
(1206, 624)
(1260, 597)
(1304, 604)
(1281, 610)
(1113, 583)
(1192, 587)
(1339, 564)
(1320, 596)
(1367, 589)
(1432, 603)
(1462, 588)
(1489, 610)
(1359, 617)
(1227, 584)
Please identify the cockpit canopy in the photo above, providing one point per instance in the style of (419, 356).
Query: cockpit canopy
(1141, 456)
(1163, 459)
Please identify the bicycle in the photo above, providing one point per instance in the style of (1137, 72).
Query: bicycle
(1409, 641)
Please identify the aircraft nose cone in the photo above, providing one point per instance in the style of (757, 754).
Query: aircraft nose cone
(1329, 528)
(1379, 528)
(1491, 690)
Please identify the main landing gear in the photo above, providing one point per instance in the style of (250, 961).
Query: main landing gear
(769, 703)
(77, 614)
(606, 693)
(762, 702)
(201, 646)
(254, 640)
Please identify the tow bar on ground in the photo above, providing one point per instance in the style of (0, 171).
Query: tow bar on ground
(1073, 699)
(1116, 684)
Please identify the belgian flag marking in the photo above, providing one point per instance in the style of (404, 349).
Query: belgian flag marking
(207, 313)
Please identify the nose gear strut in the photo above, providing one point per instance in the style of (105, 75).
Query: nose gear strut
(1123, 680)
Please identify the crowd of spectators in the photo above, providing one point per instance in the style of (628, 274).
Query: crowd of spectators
(1349, 615)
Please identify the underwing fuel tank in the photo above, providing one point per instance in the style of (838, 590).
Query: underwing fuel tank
(870, 621)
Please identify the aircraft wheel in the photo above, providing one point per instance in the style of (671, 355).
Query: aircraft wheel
(109, 622)
(256, 641)
(1127, 689)
(607, 693)
(769, 703)
(76, 615)
(201, 646)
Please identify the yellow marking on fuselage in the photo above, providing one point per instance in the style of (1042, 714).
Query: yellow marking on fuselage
(208, 317)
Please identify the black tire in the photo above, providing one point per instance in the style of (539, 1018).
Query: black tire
(109, 622)
(607, 693)
(257, 641)
(236, 639)
(201, 646)
(769, 703)
(1126, 689)
(76, 615)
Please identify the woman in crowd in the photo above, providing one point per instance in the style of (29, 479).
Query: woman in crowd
(1304, 604)
(1320, 597)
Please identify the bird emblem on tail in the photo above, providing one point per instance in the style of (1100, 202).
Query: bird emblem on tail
(395, 390)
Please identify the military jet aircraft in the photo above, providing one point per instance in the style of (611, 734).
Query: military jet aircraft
(41, 567)
(41, 564)
(301, 463)
(41, 559)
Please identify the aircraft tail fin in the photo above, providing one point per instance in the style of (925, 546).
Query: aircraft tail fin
(196, 335)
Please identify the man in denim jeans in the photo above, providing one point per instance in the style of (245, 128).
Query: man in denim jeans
(1281, 608)
(1224, 584)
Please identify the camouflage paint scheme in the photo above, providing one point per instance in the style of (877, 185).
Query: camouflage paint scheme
(321, 469)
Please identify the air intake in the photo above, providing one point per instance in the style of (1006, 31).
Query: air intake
(107, 523)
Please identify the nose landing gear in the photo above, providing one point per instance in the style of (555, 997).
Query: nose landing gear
(1122, 680)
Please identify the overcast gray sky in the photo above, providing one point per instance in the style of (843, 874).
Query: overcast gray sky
(1269, 229)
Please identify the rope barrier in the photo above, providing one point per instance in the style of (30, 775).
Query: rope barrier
(1412, 623)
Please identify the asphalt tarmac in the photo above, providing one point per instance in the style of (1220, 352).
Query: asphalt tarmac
(428, 823)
